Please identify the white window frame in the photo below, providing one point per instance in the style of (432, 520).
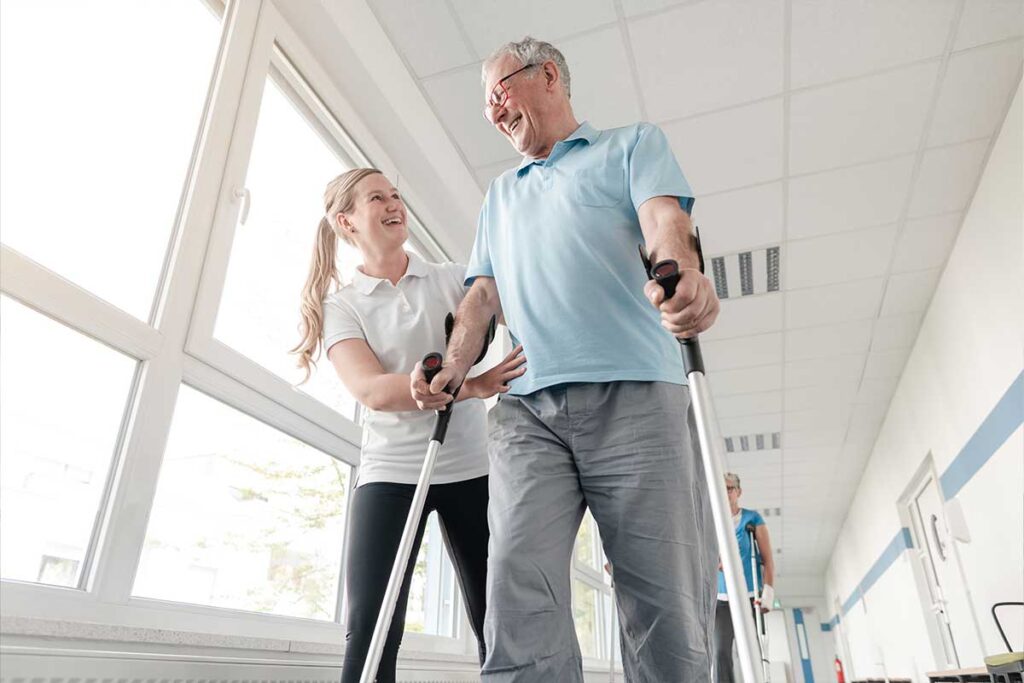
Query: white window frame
(606, 624)
(176, 346)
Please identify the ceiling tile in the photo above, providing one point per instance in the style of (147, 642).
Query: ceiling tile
(842, 371)
(947, 178)
(743, 352)
(740, 220)
(490, 23)
(457, 98)
(882, 364)
(851, 255)
(975, 93)
(746, 380)
(833, 397)
(877, 390)
(739, 405)
(599, 65)
(634, 7)
(833, 303)
(846, 123)
(806, 457)
(833, 40)
(825, 203)
(909, 292)
(828, 340)
(812, 438)
(744, 316)
(751, 424)
(731, 148)
(895, 332)
(926, 242)
(986, 21)
(817, 418)
(722, 54)
(426, 34)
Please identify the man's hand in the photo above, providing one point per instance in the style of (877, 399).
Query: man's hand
(425, 396)
(495, 380)
(694, 307)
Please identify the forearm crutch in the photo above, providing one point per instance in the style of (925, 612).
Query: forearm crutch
(762, 635)
(666, 274)
(431, 365)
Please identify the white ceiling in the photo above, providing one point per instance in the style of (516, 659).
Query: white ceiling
(851, 133)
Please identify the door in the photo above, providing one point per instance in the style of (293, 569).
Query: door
(934, 550)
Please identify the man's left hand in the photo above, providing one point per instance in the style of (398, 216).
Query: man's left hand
(694, 307)
(767, 599)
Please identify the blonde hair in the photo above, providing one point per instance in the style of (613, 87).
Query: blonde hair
(732, 479)
(323, 271)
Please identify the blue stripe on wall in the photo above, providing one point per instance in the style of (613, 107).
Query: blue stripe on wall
(1003, 421)
(805, 662)
(900, 542)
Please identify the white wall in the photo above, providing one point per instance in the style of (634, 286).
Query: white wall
(967, 355)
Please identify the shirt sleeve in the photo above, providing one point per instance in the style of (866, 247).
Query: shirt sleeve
(340, 323)
(653, 170)
(755, 518)
(480, 260)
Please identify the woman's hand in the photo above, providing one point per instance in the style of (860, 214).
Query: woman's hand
(495, 380)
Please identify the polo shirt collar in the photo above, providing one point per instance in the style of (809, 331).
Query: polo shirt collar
(365, 284)
(585, 132)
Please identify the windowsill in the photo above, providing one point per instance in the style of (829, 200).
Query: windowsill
(62, 632)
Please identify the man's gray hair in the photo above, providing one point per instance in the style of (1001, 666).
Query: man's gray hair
(531, 51)
(732, 479)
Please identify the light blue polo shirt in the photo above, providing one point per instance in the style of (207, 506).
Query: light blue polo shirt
(559, 236)
(746, 548)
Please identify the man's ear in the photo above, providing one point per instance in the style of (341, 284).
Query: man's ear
(551, 74)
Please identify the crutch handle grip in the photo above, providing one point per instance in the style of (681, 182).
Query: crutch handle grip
(431, 365)
(666, 274)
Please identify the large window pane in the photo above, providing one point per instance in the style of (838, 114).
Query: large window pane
(270, 256)
(62, 400)
(99, 107)
(245, 517)
(433, 596)
(587, 548)
(584, 610)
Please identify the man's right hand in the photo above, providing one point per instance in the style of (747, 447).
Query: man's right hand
(434, 396)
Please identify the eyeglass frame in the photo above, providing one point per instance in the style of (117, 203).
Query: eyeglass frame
(501, 84)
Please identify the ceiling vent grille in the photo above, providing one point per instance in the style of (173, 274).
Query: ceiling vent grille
(746, 273)
(753, 442)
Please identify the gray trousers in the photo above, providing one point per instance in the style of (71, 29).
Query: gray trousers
(628, 452)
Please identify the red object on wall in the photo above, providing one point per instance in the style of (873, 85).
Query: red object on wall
(840, 677)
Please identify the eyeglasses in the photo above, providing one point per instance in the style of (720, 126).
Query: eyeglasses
(732, 488)
(499, 93)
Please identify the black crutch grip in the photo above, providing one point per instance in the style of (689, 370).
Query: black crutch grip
(666, 274)
(431, 365)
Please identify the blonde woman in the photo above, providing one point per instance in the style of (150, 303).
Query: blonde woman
(375, 329)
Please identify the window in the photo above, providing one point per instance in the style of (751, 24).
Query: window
(97, 135)
(270, 256)
(434, 605)
(62, 401)
(592, 606)
(245, 516)
(584, 610)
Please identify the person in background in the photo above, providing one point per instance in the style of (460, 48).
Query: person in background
(741, 517)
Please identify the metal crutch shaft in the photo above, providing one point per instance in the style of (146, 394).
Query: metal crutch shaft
(431, 365)
(758, 591)
(666, 274)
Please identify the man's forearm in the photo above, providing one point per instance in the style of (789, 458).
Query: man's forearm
(471, 321)
(672, 238)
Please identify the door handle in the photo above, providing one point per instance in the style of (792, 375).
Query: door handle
(938, 542)
(242, 194)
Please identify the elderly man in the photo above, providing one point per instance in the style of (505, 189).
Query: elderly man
(599, 418)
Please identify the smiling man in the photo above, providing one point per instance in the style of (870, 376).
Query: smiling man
(599, 419)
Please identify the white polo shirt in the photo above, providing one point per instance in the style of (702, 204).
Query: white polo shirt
(401, 324)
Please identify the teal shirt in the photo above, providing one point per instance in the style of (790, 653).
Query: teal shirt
(559, 236)
(743, 539)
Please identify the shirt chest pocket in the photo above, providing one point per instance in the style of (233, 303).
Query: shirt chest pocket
(594, 187)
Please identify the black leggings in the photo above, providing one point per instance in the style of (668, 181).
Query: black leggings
(724, 638)
(379, 511)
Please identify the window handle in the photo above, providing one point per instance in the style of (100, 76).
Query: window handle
(242, 194)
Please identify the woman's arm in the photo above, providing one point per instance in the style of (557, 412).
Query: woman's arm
(361, 373)
(764, 546)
